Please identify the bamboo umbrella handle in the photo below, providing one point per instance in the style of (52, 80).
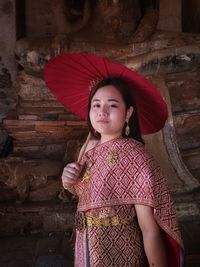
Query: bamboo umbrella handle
(84, 148)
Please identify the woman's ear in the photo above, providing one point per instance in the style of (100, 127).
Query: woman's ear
(129, 113)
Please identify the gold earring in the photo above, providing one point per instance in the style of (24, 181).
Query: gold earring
(127, 129)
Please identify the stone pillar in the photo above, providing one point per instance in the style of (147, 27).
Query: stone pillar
(170, 15)
(7, 59)
(8, 35)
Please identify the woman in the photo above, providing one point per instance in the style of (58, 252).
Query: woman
(125, 216)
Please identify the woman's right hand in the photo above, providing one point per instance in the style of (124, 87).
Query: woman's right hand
(70, 174)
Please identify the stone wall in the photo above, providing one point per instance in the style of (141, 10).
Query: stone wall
(7, 59)
(191, 16)
(170, 18)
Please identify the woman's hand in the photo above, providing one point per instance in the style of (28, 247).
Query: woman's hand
(70, 174)
(152, 237)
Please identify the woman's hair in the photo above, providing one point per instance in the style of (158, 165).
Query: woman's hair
(123, 88)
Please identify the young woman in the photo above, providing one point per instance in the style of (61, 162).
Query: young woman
(125, 216)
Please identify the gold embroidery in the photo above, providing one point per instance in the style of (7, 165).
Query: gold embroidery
(112, 157)
(104, 212)
(115, 220)
(87, 174)
(107, 221)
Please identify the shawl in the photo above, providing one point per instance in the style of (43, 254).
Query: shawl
(121, 171)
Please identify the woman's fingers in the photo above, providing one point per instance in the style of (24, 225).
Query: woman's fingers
(71, 173)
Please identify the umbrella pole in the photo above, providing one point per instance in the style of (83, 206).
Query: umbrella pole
(84, 148)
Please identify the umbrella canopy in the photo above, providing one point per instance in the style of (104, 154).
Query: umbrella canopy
(70, 77)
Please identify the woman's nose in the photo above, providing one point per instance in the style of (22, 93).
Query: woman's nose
(103, 111)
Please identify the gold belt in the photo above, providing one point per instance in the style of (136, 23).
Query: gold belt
(82, 221)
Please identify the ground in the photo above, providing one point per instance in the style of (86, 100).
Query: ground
(49, 250)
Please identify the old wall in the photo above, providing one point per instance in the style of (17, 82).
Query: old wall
(170, 16)
(39, 16)
(7, 59)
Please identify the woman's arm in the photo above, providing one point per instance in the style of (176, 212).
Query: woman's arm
(152, 237)
(70, 175)
(72, 170)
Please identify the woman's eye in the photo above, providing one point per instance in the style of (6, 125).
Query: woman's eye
(95, 105)
(113, 106)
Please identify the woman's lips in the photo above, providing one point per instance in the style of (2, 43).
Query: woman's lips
(102, 121)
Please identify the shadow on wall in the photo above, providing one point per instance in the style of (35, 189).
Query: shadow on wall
(191, 16)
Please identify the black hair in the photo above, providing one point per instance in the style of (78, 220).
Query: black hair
(123, 88)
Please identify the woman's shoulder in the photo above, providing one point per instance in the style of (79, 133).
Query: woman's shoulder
(130, 143)
(134, 148)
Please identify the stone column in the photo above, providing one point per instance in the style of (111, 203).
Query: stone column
(170, 15)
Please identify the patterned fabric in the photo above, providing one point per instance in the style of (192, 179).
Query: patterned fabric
(81, 250)
(118, 246)
(121, 173)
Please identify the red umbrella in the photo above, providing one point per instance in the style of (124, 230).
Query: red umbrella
(70, 77)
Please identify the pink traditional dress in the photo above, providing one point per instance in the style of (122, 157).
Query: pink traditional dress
(117, 175)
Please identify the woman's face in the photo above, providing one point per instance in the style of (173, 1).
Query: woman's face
(108, 113)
